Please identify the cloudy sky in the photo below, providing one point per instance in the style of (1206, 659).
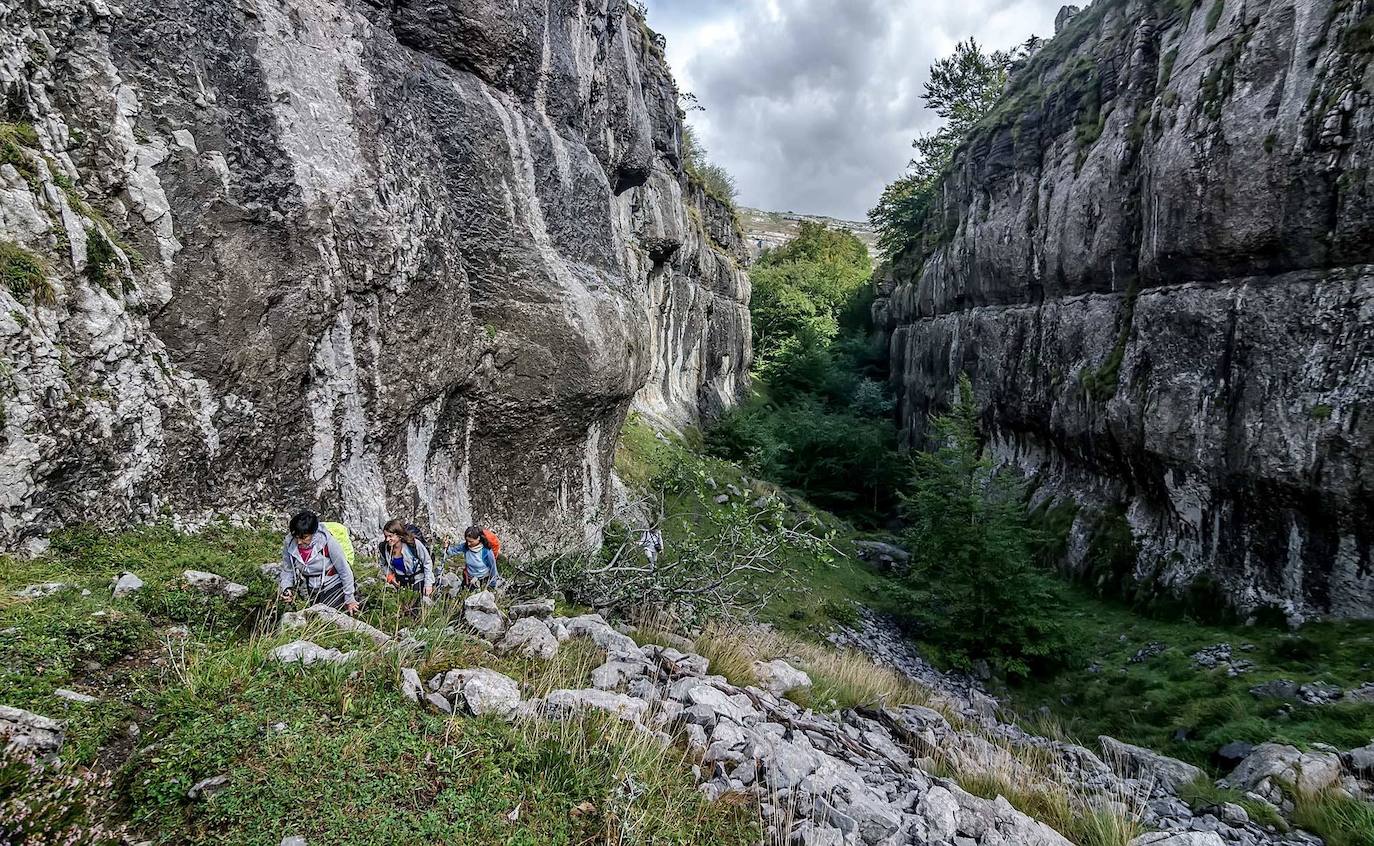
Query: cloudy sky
(812, 104)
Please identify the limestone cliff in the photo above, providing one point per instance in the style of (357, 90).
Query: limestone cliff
(1155, 261)
(382, 258)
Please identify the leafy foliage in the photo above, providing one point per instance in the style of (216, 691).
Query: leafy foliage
(963, 87)
(42, 804)
(713, 178)
(972, 548)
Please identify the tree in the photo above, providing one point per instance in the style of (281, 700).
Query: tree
(972, 552)
(715, 179)
(963, 87)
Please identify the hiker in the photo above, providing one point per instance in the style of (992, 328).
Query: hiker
(651, 541)
(314, 561)
(480, 549)
(406, 561)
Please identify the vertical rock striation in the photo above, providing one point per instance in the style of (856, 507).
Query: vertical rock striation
(1155, 259)
(380, 258)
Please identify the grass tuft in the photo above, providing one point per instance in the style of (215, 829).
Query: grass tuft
(25, 274)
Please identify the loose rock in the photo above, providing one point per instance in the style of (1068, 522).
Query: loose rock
(214, 585)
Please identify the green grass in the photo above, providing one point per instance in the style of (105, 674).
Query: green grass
(334, 754)
(1147, 703)
(809, 593)
(1340, 820)
(24, 273)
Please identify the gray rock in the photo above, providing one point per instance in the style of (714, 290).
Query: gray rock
(27, 732)
(293, 841)
(615, 673)
(779, 677)
(214, 585)
(1276, 689)
(1363, 693)
(40, 590)
(480, 691)
(603, 247)
(1362, 760)
(1272, 766)
(529, 636)
(566, 702)
(1006, 276)
(305, 653)
(126, 584)
(482, 615)
(439, 702)
(73, 696)
(411, 686)
(1182, 838)
(339, 620)
(1320, 693)
(1138, 762)
(207, 787)
(884, 554)
(541, 608)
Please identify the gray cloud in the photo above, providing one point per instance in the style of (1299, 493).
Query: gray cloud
(812, 104)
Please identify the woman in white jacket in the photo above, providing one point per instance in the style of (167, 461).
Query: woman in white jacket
(314, 565)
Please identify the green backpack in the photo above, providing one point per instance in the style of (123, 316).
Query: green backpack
(339, 532)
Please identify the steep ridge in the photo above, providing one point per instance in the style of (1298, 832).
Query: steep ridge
(1154, 261)
(380, 258)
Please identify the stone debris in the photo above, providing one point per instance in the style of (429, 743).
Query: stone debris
(24, 731)
(40, 590)
(1271, 766)
(214, 585)
(305, 653)
(1147, 652)
(482, 615)
(529, 636)
(74, 696)
(126, 584)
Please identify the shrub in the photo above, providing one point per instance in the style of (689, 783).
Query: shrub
(24, 273)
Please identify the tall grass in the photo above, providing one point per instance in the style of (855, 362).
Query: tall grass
(840, 678)
(990, 765)
(1340, 820)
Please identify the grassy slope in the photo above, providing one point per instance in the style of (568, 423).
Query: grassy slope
(333, 754)
(1144, 703)
(808, 594)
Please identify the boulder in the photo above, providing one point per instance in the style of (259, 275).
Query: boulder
(596, 628)
(271, 570)
(338, 619)
(1320, 693)
(24, 731)
(127, 583)
(779, 677)
(214, 585)
(482, 615)
(529, 636)
(1230, 755)
(305, 653)
(1362, 760)
(439, 703)
(1363, 693)
(541, 608)
(479, 691)
(1272, 767)
(1138, 762)
(615, 673)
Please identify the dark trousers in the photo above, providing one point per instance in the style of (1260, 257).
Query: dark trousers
(331, 594)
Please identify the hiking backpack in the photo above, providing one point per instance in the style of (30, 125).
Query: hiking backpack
(339, 532)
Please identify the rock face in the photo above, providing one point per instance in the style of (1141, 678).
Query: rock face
(1154, 262)
(379, 258)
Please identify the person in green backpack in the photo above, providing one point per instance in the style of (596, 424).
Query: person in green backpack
(314, 564)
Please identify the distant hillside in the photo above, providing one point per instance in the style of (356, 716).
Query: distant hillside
(764, 229)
